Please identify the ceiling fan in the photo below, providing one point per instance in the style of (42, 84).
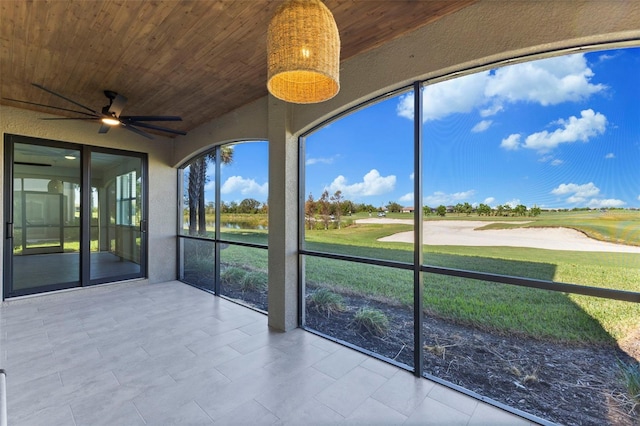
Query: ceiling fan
(110, 116)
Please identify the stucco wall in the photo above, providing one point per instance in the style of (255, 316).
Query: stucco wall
(247, 123)
(162, 177)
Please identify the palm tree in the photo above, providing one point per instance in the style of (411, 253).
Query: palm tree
(197, 182)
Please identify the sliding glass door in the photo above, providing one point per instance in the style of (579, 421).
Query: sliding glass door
(117, 224)
(46, 217)
(74, 215)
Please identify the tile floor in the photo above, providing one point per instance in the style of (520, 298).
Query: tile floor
(170, 354)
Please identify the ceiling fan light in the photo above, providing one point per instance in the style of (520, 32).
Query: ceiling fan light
(303, 53)
(110, 121)
(70, 157)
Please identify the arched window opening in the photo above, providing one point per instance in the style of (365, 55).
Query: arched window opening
(223, 226)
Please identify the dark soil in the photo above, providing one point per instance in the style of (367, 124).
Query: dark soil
(256, 299)
(571, 385)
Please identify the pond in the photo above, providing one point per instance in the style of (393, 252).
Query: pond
(232, 225)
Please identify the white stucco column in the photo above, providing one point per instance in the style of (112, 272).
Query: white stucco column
(283, 219)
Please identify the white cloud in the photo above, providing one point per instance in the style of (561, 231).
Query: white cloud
(638, 197)
(610, 202)
(583, 191)
(412, 176)
(610, 155)
(556, 162)
(546, 82)
(579, 194)
(513, 203)
(511, 142)
(606, 57)
(311, 161)
(489, 200)
(407, 198)
(588, 125)
(372, 184)
(405, 106)
(575, 199)
(438, 198)
(492, 110)
(482, 126)
(549, 81)
(458, 95)
(246, 187)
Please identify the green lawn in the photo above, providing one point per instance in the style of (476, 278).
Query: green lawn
(498, 307)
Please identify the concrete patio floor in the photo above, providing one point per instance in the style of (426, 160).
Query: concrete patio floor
(170, 354)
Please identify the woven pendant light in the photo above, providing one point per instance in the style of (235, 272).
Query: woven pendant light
(303, 53)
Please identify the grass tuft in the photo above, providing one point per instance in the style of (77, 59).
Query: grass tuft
(373, 321)
(232, 275)
(530, 378)
(254, 281)
(326, 302)
(631, 378)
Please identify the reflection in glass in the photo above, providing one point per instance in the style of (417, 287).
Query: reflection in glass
(46, 204)
(116, 215)
(365, 305)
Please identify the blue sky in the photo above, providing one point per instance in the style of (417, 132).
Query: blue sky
(561, 132)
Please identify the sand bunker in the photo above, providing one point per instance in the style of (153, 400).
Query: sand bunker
(463, 233)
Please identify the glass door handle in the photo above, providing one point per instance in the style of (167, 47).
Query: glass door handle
(9, 230)
(143, 226)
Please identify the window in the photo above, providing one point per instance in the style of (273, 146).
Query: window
(352, 166)
(224, 225)
(126, 211)
(528, 218)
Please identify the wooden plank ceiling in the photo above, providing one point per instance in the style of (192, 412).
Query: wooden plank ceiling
(195, 59)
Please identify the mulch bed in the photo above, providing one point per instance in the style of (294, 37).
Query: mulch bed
(570, 385)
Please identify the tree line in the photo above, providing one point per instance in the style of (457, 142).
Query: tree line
(485, 210)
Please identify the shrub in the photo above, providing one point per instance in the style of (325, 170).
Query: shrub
(326, 302)
(232, 275)
(372, 321)
(254, 281)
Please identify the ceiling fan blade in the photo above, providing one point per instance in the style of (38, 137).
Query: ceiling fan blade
(117, 104)
(138, 131)
(49, 106)
(154, 127)
(65, 98)
(25, 163)
(151, 118)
